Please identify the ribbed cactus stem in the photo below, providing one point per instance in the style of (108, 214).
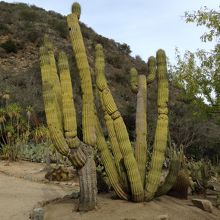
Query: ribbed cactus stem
(122, 137)
(110, 168)
(151, 63)
(160, 140)
(77, 157)
(134, 80)
(89, 135)
(171, 177)
(100, 74)
(54, 76)
(76, 9)
(49, 95)
(141, 127)
(69, 112)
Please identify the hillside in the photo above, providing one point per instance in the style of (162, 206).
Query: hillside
(21, 30)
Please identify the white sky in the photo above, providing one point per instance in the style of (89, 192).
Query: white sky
(144, 25)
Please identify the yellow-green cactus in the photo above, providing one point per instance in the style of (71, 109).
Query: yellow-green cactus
(151, 63)
(122, 137)
(64, 136)
(77, 157)
(160, 140)
(110, 168)
(141, 127)
(171, 177)
(134, 80)
(139, 85)
(100, 71)
(54, 75)
(89, 135)
(76, 9)
(69, 112)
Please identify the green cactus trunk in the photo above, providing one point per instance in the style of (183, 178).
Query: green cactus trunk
(110, 168)
(64, 137)
(122, 136)
(141, 127)
(160, 140)
(171, 177)
(99, 67)
(89, 133)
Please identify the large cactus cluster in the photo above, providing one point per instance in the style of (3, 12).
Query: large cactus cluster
(125, 166)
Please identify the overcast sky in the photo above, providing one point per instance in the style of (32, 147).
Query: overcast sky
(144, 25)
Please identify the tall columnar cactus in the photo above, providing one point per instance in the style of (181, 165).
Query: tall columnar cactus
(100, 71)
(160, 140)
(92, 133)
(136, 167)
(88, 125)
(141, 127)
(138, 85)
(64, 136)
(121, 134)
(124, 166)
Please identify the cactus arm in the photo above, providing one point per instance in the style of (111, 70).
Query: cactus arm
(100, 70)
(141, 127)
(69, 112)
(54, 77)
(77, 157)
(160, 140)
(134, 80)
(122, 137)
(48, 91)
(89, 135)
(151, 63)
(109, 164)
(171, 177)
(112, 168)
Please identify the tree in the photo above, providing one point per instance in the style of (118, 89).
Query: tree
(197, 76)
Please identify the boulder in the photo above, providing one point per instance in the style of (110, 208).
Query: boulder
(203, 204)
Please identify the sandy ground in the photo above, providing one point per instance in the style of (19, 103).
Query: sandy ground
(109, 209)
(23, 186)
(19, 195)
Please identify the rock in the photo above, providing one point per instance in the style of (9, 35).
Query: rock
(75, 195)
(162, 217)
(38, 214)
(203, 204)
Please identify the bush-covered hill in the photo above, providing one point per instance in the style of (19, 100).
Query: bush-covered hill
(21, 30)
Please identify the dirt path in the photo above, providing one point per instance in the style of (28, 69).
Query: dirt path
(19, 196)
(109, 209)
(22, 188)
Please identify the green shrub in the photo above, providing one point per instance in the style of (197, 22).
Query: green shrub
(28, 15)
(9, 46)
(114, 60)
(124, 48)
(59, 26)
(3, 28)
